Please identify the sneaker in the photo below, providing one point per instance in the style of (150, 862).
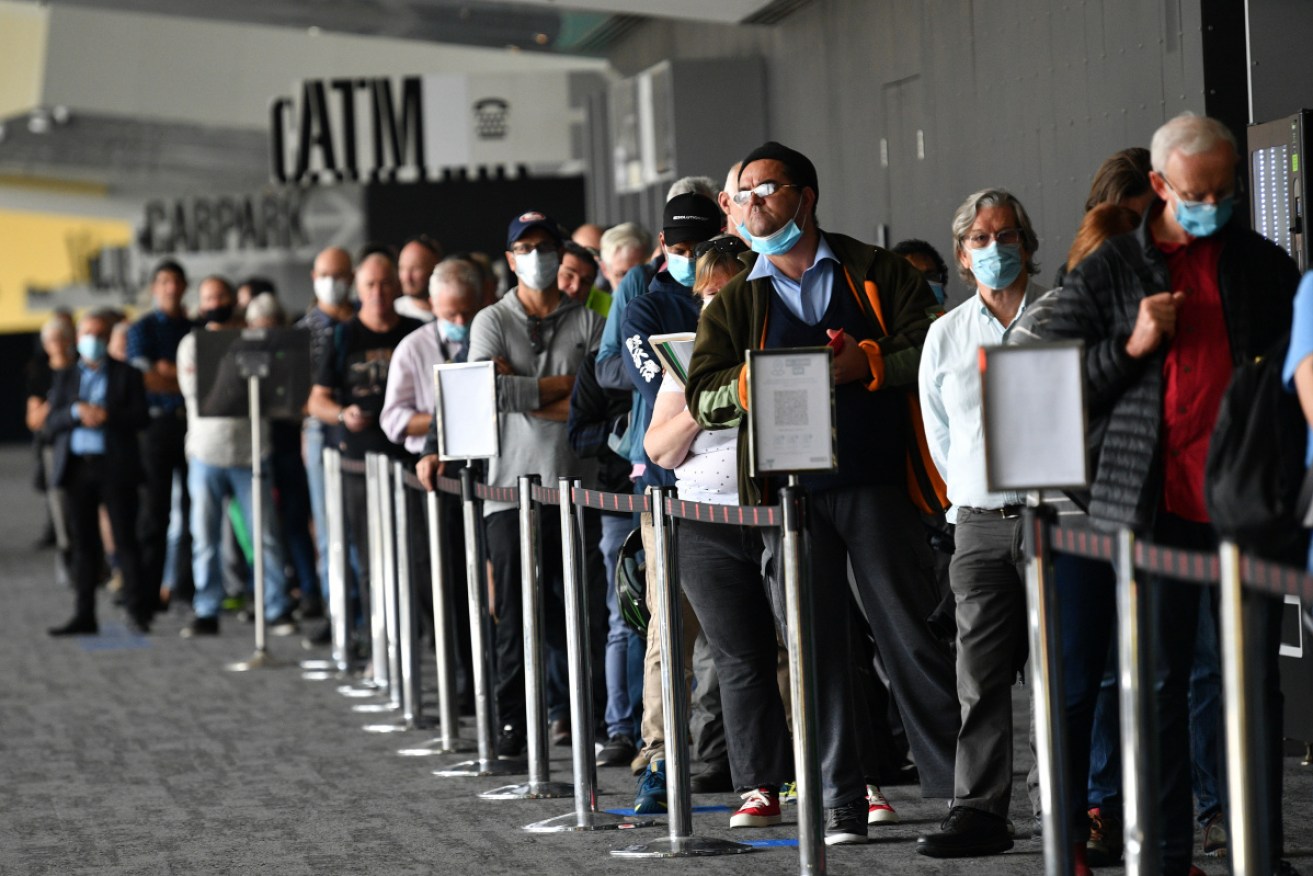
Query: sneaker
(283, 625)
(966, 833)
(618, 751)
(878, 810)
(761, 808)
(1215, 838)
(232, 604)
(638, 765)
(510, 743)
(846, 825)
(651, 796)
(1104, 848)
(200, 626)
(789, 793)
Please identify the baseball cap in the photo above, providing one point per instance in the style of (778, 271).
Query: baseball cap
(691, 217)
(532, 219)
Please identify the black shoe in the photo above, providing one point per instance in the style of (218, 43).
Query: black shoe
(966, 833)
(311, 609)
(619, 750)
(137, 626)
(283, 625)
(560, 731)
(511, 742)
(200, 626)
(846, 825)
(713, 778)
(323, 635)
(76, 627)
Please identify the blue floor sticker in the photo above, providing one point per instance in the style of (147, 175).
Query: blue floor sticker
(771, 843)
(695, 809)
(114, 637)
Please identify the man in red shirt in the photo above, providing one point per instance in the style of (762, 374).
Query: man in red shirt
(1166, 313)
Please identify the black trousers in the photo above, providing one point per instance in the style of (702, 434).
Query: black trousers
(162, 455)
(357, 535)
(88, 485)
(421, 580)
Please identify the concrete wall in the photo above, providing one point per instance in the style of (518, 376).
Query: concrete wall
(1030, 95)
(23, 50)
(1281, 40)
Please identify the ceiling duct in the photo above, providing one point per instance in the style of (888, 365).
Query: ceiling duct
(609, 32)
(776, 11)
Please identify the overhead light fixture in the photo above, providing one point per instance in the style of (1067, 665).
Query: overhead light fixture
(313, 30)
(38, 121)
(541, 39)
(60, 114)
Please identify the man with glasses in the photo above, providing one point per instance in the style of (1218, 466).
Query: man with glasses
(995, 245)
(807, 288)
(1166, 313)
(538, 339)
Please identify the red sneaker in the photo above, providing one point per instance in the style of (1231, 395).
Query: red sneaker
(878, 810)
(761, 808)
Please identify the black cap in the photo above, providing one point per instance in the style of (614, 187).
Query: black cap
(801, 170)
(533, 219)
(691, 217)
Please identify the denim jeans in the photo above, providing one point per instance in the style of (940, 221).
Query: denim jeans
(624, 647)
(314, 473)
(209, 486)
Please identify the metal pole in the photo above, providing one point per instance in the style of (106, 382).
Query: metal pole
(586, 815)
(1139, 740)
(411, 693)
(377, 620)
(339, 601)
(1044, 623)
(487, 763)
(798, 606)
(663, 575)
(389, 584)
(1247, 815)
(261, 657)
(539, 785)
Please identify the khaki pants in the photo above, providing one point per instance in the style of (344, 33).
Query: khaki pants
(653, 726)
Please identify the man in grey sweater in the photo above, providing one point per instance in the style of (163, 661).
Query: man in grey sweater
(538, 338)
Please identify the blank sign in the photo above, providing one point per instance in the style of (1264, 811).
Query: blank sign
(1034, 417)
(466, 409)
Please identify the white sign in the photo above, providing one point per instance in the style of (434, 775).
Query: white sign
(465, 404)
(791, 411)
(1033, 398)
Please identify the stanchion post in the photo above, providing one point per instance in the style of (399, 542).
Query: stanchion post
(261, 659)
(1139, 739)
(1044, 623)
(1247, 818)
(448, 712)
(339, 600)
(663, 576)
(586, 815)
(798, 607)
(387, 534)
(540, 785)
(411, 693)
(487, 763)
(377, 619)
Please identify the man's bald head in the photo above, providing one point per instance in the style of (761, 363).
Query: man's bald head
(588, 236)
(332, 262)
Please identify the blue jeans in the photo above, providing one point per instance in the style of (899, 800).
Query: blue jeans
(209, 486)
(624, 647)
(314, 475)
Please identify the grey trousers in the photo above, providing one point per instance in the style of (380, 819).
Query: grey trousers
(988, 580)
(878, 528)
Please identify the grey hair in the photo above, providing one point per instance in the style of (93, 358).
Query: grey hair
(966, 214)
(456, 272)
(56, 326)
(265, 307)
(1189, 134)
(732, 180)
(626, 235)
(107, 315)
(698, 185)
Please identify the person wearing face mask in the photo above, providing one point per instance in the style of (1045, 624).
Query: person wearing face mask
(1166, 313)
(97, 407)
(538, 339)
(995, 246)
(808, 287)
(219, 455)
(331, 277)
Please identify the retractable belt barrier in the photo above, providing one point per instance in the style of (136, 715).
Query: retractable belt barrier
(1230, 569)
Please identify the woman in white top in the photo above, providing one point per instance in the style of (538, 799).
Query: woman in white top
(720, 571)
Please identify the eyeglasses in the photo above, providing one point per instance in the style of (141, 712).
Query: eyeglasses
(543, 248)
(726, 243)
(536, 335)
(981, 239)
(743, 197)
(1190, 197)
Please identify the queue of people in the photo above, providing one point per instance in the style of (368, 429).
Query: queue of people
(916, 564)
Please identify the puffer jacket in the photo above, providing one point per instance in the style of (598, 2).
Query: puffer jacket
(1099, 304)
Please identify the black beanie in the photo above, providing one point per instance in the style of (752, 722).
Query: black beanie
(801, 170)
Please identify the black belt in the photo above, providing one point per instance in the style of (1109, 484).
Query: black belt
(1007, 512)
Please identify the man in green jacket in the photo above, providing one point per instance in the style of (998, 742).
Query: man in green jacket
(808, 288)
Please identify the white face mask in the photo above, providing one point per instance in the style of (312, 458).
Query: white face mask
(537, 270)
(331, 291)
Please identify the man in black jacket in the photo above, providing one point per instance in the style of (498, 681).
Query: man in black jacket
(96, 410)
(1166, 313)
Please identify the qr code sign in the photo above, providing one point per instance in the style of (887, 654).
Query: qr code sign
(790, 407)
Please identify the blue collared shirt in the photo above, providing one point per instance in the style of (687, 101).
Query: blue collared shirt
(93, 386)
(152, 338)
(949, 385)
(807, 298)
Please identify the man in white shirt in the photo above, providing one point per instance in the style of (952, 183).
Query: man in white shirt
(995, 245)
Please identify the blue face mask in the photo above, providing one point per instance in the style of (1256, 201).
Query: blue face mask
(1200, 219)
(777, 243)
(453, 333)
(92, 348)
(938, 289)
(996, 266)
(681, 268)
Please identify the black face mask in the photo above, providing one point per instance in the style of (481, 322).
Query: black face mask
(217, 314)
